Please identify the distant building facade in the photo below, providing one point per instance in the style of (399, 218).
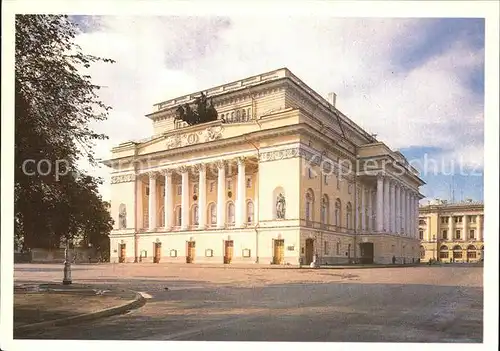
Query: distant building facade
(267, 181)
(451, 232)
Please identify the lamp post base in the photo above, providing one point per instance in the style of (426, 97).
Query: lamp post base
(67, 273)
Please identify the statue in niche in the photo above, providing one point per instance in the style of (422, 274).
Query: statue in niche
(122, 217)
(280, 206)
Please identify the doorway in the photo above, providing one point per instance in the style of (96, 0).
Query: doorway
(309, 251)
(122, 256)
(366, 253)
(279, 251)
(157, 252)
(228, 251)
(191, 245)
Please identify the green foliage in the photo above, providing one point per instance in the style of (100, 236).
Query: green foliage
(55, 102)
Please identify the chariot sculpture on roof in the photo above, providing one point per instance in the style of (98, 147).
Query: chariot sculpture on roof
(204, 111)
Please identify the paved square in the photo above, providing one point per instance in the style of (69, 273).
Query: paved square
(237, 303)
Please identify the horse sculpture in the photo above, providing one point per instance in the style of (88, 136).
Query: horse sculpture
(204, 112)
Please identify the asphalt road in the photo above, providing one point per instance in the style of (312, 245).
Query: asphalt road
(414, 304)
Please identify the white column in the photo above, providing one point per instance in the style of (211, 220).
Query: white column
(369, 226)
(202, 197)
(387, 204)
(407, 211)
(380, 204)
(392, 211)
(416, 215)
(184, 197)
(479, 229)
(221, 194)
(139, 206)
(168, 203)
(403, 214)
(363, 211)
(397, 228)
(412, 215)
(241, 194)
(152, 200)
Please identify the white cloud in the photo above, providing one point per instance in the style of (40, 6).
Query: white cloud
(163, 57)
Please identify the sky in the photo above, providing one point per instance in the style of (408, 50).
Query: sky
(416, 83)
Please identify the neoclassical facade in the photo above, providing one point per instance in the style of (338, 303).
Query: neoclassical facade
(281, 177)
(452, 232)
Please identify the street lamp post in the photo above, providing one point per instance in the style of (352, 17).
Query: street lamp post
(67, 265)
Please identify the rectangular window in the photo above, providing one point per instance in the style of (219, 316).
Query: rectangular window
(445, 234)
(457, 234)
(458, 219)
(249, 182)
(179, 190)
(421, 234)
(471, 234)
(212, 187)
(444, 220)
(472, 219)
(195, 188)
(421, 221)
(471, 254)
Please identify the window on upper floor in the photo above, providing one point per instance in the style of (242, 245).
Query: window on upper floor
(472, 234)
(457, 234)
(195, 188)
(458, 219)
(444, 220)
(249, 182)
(229, 184)
(421, 221)
(179, 190)
(472, 219)
(325, 179)
(421, 234)
(212, 187)
(445, 234)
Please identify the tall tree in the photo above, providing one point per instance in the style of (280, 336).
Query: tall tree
(55, 102)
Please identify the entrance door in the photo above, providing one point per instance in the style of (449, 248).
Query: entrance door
(228, 251)
(279, 251)
(190, 251)
(157, 251)
(366, 251)
(309, 251)
(121, 258)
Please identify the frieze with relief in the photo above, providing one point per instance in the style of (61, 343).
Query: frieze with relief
(180, 140)
(125, 178)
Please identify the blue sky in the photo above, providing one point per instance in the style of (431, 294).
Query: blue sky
(417, 83)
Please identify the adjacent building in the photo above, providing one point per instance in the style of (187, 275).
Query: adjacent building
(278, 176)
(451, 232)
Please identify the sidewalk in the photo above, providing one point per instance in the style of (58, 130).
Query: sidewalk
(38, 306)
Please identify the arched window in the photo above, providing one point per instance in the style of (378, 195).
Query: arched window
(248, 114)
(195, 215)
(324, 209)
(249, 212)
(338, 210)
(349, 215)
(178, 216)
(238, 116)
(232, 117)
(243, 116)
(230, 213)
(309, 205)
(212, 213)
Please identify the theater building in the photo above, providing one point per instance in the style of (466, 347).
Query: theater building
(451, 232)
(280, 176)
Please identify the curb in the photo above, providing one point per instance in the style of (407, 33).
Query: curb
(139, 301)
